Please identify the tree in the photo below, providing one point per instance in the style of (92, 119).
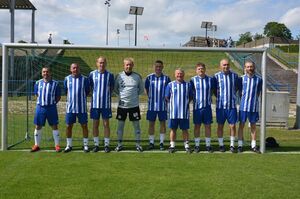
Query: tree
(275, 29)
(244, 38)
(257, 36)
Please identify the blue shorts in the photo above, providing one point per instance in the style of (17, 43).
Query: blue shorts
(226, 114)
(253, 117)
(45, 112)
(203, 115)
(71, 118)
(104, 112)
(183, 124)
(162, 115)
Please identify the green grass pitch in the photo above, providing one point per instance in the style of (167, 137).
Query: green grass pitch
(148, 175)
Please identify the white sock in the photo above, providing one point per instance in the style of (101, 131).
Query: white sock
(162, 137)
(240, 143)
(232, 139)
(186, 144)
(56, 137)
(85, 141)
(151, 139)
(106, 141)
(96, 141)
(253, 143)
(37, 136)
(221, 141)
(172, 144)
(197, 141)
(69, 142)
(207, 141)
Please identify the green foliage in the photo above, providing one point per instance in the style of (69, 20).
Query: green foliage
(275, 29)
(289, 48)
(244, 38)
(257, 36)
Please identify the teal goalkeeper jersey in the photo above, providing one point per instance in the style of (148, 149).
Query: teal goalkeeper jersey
(128, 88)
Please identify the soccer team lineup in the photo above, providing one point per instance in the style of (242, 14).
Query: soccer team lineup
(168, 103)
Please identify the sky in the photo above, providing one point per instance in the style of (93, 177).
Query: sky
(168, 23)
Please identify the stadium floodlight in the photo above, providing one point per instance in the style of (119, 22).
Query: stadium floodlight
(206, 25)
(107, 3)
(118, 35)
(135, 10)
(214, 29)
(129, 27)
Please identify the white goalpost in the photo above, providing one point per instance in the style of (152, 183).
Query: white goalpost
(7, 60)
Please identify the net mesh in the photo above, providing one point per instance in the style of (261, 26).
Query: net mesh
(27, 69)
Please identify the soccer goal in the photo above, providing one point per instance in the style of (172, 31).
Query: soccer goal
(22, 64)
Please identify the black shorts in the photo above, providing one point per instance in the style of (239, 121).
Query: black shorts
(134, 113)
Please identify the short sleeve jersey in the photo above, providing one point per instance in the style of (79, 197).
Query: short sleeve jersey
(77, 89)
(155, 87)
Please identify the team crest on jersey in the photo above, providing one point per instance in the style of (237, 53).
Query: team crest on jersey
(121, 103)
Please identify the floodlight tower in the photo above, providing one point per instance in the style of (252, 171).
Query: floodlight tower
(107, 3)
(118, 36)
(206, 25)
(214, 29)
(134, 10)
(129, 27)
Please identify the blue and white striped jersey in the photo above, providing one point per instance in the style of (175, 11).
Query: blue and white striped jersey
(46, 92)
(102, 85)
(202, 91)
(155, 87)
(227, 86)
(77, 89)
(251, 88)
(178, 95)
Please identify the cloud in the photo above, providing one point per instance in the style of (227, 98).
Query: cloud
(291, 18)
(168, 22)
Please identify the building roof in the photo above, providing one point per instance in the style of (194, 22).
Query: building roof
(20, 5)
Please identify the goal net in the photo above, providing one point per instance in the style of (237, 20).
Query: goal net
(21, 68)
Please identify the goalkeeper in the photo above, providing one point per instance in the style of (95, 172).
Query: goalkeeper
(128, 86)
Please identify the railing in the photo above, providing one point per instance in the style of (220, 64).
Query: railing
(271, 82)
(289, 60)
